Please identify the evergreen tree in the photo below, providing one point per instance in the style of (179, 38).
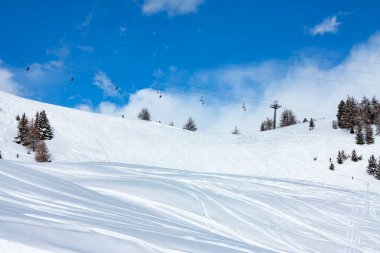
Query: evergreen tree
(365, 111)
(23, 131)
(144, 114)
(44, 127)
(332, 166)
(171, 124)
(374, 110)
(378, 127)
(334, 124)
(341, 108)
(311, 124)
(1, 157)
(42, 152)
(190, 125)
(236, 130)
(354, 156)
(372, 165)
(287, 118)
(349, 115)
(18, 117)
(339, 158)
(305, 120)
(359, 135)
(377, 171)
(369, 138)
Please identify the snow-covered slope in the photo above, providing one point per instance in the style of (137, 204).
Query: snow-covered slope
(122, 185)
(108, 207)
(284, 153)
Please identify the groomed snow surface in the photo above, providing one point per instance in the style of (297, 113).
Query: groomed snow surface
(119, 185)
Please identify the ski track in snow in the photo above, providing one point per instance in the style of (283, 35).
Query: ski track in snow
(109, 207)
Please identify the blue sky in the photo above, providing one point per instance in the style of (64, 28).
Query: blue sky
(179, 48)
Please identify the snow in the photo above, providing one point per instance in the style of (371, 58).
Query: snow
(124, 185)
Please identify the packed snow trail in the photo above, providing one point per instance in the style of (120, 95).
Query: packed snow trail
(110, 207)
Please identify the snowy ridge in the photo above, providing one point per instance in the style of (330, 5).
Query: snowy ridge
(283, 153)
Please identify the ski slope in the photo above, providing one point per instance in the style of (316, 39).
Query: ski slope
(110, 207)
(125, 185)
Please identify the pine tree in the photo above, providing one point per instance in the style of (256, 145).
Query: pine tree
(144, 114)
(341, 108)
(42, 152)
(365, 111)
(262, 127)
(23, 131)
(377, 171)
(374, 110)
(372, 165)
(369, 138)
(334, 124)
(339, 158)
(378, 127)
(359, 135)
(305, 120)
(332, 166)
(171, 123)
(44, 127)
(1, 156)
(236, 130)
(311, 124)
(354, 157)
(190, 125)
(17, 117)
(287, 118)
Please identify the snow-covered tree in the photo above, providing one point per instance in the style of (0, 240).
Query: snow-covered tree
(359, 135)
(267, 124)
(354, 156)
(236, 130)
(144, 114)
(369, 138)
(341, 108)
(332, 166)
(43, 124)
(304, 120)
(377, 171)
(287, 118)
(42, 152)
(334, 124)
(339, 158)
(372, 165)
(190, 125)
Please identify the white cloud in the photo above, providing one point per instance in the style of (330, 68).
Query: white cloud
(7, 82)
(172, 7)
(102, 81)
(328, 25)
(311, 96)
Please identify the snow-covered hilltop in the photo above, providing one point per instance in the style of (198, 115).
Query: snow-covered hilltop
(283, 153)
(122, 185)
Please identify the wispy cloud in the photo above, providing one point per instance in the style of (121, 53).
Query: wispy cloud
(102, 81)
(7, 82)
(312, 96)
(328, 25)
(172, 7)
(86, 22)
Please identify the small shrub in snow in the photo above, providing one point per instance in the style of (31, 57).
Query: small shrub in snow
(144, 114)
(190, 125)
(236, 130)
